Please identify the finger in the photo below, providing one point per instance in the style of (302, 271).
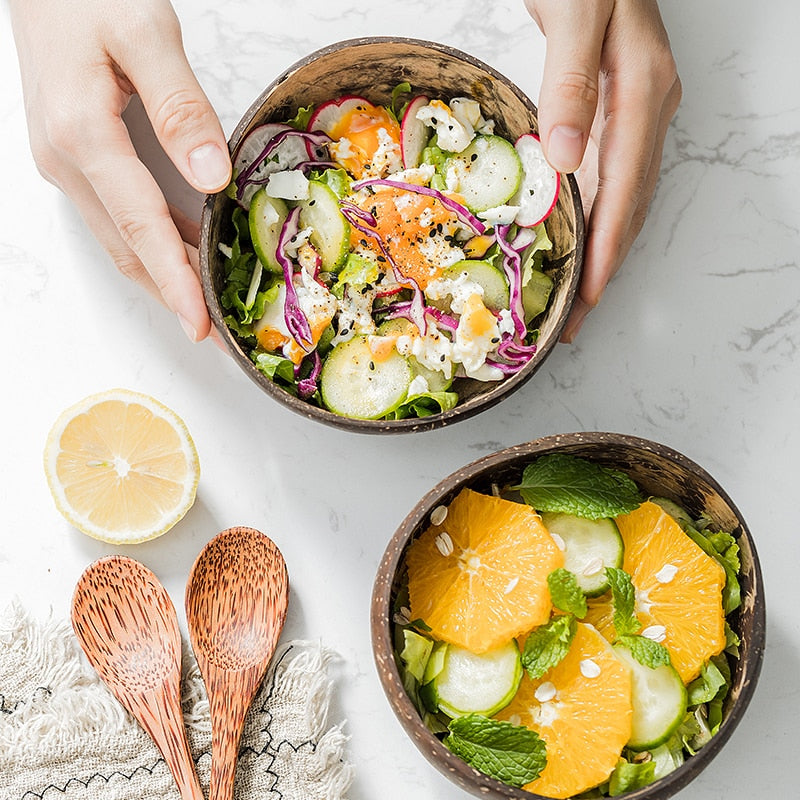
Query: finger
(133, 200)
(570, 84)
(182, 117)
(188, 228)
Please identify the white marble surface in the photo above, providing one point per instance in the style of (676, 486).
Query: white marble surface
(696, 345)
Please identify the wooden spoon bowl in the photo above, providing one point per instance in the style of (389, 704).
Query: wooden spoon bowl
(127, 626)
(236, 602)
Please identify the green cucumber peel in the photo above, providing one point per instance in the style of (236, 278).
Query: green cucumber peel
(547, 645)
(565, 593)
(509, 753)
(572, 485)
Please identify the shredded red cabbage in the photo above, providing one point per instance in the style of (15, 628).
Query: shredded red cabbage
(243, 178)
(296, 320)
(462, 212)
(308, 385)
(512, 266)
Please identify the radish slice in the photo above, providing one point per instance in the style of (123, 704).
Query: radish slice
(291, 152)
(538, 191)
(413, 133)
(328, 115)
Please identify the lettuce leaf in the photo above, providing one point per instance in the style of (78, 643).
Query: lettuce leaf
(424, 405)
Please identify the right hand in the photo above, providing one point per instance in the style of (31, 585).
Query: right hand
(80, 65)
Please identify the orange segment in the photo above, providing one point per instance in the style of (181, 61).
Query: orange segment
(677, 586)
(480, 577)
(582, 709)
(413, 228)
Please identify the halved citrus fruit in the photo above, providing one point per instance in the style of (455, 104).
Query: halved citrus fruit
(678, 590)
(479, 578)
(121, 466)
(582, 709)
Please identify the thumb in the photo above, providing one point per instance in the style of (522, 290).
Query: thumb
(182, 117)
(575, 32)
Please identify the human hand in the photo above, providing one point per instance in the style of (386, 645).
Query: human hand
(80, 64)
(609, 90)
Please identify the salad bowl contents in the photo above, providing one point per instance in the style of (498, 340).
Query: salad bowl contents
(394, 252)
(581, 616)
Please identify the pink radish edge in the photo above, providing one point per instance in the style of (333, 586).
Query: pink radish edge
(413, 137)
(549, 210)
(329, 113)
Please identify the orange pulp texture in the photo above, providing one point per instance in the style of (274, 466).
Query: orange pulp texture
(492, 587)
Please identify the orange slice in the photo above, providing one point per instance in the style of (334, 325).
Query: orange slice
(121, 467)
(479, 578)
(678, 590)
(582, 709)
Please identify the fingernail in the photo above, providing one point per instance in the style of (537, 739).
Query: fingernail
(210, 167)
(565, 148)
(188, 328)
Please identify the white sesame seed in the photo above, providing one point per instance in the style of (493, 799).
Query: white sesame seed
(444, 544)
(593, 567)
(560, 543)
(666, 573)
(655, 632)
(511, 585)
(438, 515)
(403, 616)
(589, 668)
(545, 691)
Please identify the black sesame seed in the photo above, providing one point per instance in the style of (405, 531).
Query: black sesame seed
(382, 258)
(432, 233)
(442, 357)
(473, 157)
(372, 365)
(311, 202)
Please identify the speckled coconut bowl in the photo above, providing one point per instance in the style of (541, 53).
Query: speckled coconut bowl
(659, 471)
(372, 67)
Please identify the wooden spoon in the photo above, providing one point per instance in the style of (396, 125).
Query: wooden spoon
(236, 602)
(128, 628)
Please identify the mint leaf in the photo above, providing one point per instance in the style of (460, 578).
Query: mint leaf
(626, 777)
(565, 593)
(646, 651)
(509, 753)
(572, 485)
(547, 645)
(624, 599)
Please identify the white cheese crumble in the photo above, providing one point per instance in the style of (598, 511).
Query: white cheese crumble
(288, 184)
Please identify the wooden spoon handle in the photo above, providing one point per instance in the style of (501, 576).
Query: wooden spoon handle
(159, 713)
(230, 696)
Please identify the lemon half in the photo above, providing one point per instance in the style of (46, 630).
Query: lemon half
(121, 466)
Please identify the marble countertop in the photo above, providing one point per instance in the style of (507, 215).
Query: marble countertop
(696, 345)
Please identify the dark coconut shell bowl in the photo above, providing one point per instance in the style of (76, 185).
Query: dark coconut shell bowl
(659, 471)
(372, 67)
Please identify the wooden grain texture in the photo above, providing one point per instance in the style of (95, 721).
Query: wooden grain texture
(127, 626)
(236, 601)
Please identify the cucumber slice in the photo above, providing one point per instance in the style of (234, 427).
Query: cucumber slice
(488, 172)
(437, 382)
(659, 701)
(353, 384)
(591, 545)
(265, 218)
(468, 683)
(330, 230)
(484, 273)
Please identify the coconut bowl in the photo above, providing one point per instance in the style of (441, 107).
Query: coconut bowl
(659, 471)
(372, 67)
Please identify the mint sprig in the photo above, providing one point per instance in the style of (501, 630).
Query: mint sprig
(646, 651)
(565, 593)
(547, 645)
(572, 485)
(509, 753)
(624, 598)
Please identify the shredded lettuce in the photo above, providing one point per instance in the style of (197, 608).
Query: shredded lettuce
(424, 405)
